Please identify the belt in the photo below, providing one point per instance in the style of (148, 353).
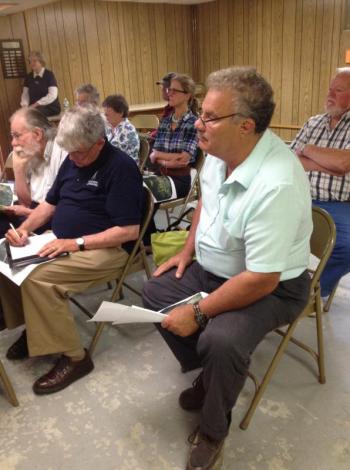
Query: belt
(175, 171)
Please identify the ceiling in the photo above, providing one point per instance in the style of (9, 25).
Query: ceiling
(14, 6)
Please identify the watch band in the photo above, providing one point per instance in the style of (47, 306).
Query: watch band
(199, 316)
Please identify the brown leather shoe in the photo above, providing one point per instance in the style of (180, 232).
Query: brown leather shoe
(19, 349)
(192, 399)
(204, 451)
(63, 374)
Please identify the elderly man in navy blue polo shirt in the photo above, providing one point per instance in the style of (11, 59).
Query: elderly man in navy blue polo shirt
(95, 204)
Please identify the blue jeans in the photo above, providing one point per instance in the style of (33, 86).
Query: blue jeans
(339, 263)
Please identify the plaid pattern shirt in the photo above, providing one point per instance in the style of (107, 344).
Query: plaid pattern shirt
(317, 131)
(182, 139)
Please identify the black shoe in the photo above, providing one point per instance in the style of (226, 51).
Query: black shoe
(192, 399)
(204, 451)
(63, 374)
(19, 349)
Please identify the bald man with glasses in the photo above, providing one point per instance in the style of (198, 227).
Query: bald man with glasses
(250, 234)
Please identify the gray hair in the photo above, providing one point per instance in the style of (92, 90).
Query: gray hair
(252, 94)
(80, 127)
(37, 55)
(36, 120)
(91, 91)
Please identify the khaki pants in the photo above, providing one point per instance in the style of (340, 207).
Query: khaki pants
(41, 302)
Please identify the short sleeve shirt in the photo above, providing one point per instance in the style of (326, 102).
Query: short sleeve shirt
(257, 219)
(125, 137)
(317, 131)
(92, 199)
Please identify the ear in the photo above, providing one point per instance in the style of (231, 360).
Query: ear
(247, 126)
(38, 134)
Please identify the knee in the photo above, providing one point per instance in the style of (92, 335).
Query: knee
(149, 294)
(220, 346)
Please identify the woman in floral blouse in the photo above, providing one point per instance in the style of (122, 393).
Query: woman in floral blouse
(120, 132)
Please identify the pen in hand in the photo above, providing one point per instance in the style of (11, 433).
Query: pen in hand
(13, 228)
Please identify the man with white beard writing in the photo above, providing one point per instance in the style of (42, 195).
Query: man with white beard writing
(36, 160)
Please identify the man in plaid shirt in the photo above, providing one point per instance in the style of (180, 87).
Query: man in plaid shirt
(323, 147)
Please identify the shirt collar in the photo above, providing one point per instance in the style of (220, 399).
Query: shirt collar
(344, 116)
(40, 74)
(246, 171)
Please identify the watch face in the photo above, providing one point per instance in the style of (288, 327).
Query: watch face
(80, 241)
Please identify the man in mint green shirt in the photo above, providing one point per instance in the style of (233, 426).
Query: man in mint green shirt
(250, 234)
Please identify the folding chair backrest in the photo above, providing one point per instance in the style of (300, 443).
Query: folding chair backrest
(148, 213)
(8, 169)
(145, 121)
(322, 240)
(143, 152)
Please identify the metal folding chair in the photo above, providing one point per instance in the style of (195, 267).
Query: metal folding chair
(322, 243)
(137, 261)
(8, 386)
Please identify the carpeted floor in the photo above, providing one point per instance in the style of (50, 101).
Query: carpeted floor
(125, 416)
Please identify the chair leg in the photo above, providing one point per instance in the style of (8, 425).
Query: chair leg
(320, 348)
(267, 377)
(328, 304)
(96, 337)
(8, 386)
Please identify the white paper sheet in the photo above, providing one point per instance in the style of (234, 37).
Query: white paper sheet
(119, 313)
(35, 243)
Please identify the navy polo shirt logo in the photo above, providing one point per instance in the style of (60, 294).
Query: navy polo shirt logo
(93, 182)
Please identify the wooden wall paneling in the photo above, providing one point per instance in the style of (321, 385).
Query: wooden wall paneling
(82, 42)
(224, 37)
(170, 35)
(33, 32)
(205, 50)
(14, 86)
(306, 78)
(54, 47)
(71, 38)
(188, 56)
(154, 90)
(238, 33)
(339, 25)
(267, 28)
(297, 61)
(63, 71)
(260, 35)
(105, 48)
(145, 77)
(325, 59)
(160, 36)
(287, 77)
(214, 28)
(91, 35)
(133, 57)
(317, 53)
(123, 64)
(276, 54)
(43, 36)
(252, 32)
(117, 57)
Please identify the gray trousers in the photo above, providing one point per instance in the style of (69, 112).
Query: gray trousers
(224, 348)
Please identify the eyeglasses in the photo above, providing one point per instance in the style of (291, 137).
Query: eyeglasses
(175, 90)
(18, 135)
(205, 121)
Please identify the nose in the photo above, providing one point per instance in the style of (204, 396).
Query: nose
(199, 124)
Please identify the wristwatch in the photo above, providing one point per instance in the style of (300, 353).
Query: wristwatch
(199, 316)
(81, 243)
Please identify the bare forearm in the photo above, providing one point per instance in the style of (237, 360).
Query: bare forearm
(239, 292)
(172, 160)
(336, 160)
(38, 217)
(111, 237)
(310, 165)
(21, 185)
